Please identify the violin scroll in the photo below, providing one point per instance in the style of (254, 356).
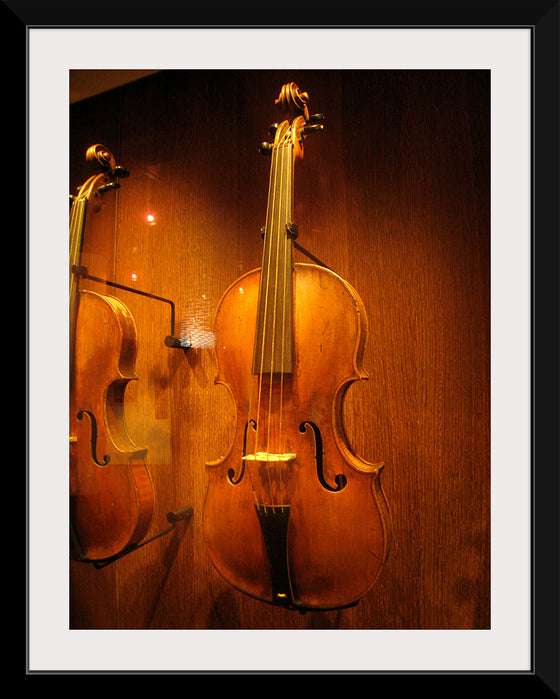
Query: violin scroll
(100, 158)
(292, 104)
(105, 177)
(292, 101)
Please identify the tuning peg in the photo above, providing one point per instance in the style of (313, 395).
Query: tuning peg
(311, 128)
(120, 171)
(314, 118)
(265, 148)
(272, 129)
(107, 186)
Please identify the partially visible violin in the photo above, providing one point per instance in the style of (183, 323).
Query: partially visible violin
(111, 493)
(292, 516)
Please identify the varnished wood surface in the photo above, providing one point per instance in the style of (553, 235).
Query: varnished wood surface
(394, 197)
(111, 494)
(339, 526)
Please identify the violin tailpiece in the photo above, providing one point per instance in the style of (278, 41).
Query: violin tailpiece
(274, 525)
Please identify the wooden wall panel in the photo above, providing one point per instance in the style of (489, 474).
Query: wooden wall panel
(394, 196)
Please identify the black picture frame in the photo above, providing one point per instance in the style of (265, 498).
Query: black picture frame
(543, 20)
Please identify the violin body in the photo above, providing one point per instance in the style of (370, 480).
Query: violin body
(111, 492)
(337, 538)
(292, 515)
(111, 501)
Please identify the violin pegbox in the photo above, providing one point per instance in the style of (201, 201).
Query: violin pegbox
(292, 102)
(107, 174)
(297, 124)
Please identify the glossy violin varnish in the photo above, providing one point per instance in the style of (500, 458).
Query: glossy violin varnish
(111, 496)
(292, 515)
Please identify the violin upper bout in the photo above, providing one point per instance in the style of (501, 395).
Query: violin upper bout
(110, 321)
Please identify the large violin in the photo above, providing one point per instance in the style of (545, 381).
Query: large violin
(292, 516)
(111, 495)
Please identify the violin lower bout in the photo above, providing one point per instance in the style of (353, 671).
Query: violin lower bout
(303, 524)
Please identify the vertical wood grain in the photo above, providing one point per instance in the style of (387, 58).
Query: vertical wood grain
(393, 196)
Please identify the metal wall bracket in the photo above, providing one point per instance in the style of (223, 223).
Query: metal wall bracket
(171, 340)
(173, 517)
(292, 231)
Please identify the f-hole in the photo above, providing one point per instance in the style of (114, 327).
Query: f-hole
(231, 472)
(340, 478)
(93, 440)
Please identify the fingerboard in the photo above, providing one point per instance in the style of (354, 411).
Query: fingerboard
(273, 349)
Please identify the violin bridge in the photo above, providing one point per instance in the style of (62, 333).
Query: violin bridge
(264, 457)
(273, 474)
(271, 478)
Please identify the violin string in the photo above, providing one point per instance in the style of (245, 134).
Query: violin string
(276, 226)
(286, 272)
(263, 324)
(279, 218)
(278, 212)
(248, 428)
(72, 284)
(77, 220)
(75, 232)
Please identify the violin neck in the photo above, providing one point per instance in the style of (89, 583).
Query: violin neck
(273, 349)
(77, 223)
